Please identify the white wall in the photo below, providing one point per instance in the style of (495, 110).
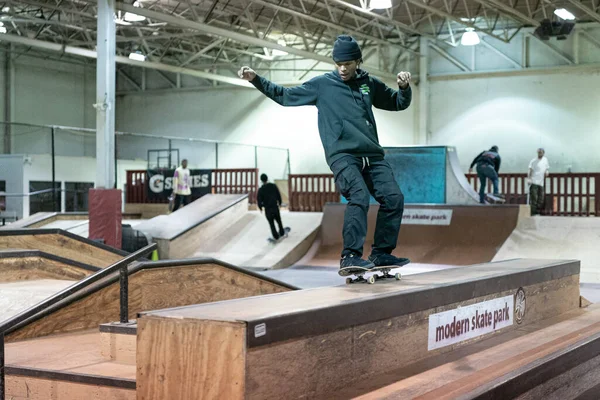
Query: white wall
(48, 92)
(519, 114)
(245, 115)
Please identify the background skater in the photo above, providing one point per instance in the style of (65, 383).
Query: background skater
(269, 198)
(488, 165)
(348, 131)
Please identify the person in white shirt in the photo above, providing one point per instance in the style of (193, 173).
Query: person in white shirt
(538, 171)
(181, 186)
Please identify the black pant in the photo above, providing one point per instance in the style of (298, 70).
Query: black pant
(356, 180)
(536, 199)
(273, 216)
(181, 199)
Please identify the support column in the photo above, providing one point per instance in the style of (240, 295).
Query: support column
(105, 202)
(105, 96)
(8, 99)
(423, 134)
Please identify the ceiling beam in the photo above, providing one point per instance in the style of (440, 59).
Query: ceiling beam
(78, 51)
(340, 28)
(594, 15)
(456, 19)
(236, 36)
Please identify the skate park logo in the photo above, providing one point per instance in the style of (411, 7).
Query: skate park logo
(519, 305)
(157, 183)
(468, 322)
(160, 183)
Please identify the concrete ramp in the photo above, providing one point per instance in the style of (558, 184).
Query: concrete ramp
(180, 233)
(245, 243)
(430, 234)
(557, 237)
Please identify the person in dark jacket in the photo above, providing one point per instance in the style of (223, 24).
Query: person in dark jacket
(269, 198)
(344, 98)
(488, 165)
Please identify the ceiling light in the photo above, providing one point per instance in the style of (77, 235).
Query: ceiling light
(6, 9)
(380, 4)
(131, 17)
(2, 29)
(469, 38)
(137, 56)
(467, 19)
(277, 52)
(564, 14)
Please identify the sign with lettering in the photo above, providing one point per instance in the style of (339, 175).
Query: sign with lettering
(160, 183)
(462, 323)
(426, 216)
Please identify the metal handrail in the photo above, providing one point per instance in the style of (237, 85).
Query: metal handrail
(38, 309)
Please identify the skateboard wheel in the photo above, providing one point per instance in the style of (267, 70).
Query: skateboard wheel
(348, 281)
(398, 276)
(371, 279)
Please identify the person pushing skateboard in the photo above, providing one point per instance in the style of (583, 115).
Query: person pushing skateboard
(344, 98)
(269, 198)
(488, 165)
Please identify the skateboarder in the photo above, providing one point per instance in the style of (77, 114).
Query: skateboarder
(344, 98)
(488, 165)
(538, 171)
(181, 186)
(269, 198)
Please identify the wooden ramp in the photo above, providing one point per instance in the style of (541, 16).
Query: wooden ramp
(313, 343)
(22, 265)
(465, 237)
(152, 285)
(62, 355)
(61, 243)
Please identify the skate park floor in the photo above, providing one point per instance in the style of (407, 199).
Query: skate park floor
(18, 296)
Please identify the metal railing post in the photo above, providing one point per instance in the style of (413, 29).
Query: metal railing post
(124, 294)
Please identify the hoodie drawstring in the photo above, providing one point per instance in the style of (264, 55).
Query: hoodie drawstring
(365, 162)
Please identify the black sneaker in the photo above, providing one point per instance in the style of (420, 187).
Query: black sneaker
(387, 260)
(355, 261)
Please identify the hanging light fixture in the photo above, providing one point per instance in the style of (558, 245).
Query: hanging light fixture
(469, 38)
(380, 4)
(277, 52)
(137, 56)
(564, 14)
(131, 17)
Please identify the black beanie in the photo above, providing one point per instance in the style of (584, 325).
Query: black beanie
(346, 48)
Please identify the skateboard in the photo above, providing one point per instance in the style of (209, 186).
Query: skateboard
(495, 199)
(287, 230)
(359, 273)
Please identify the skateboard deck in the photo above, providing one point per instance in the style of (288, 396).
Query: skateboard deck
(359, 273)
(287, 230)
(495, 199)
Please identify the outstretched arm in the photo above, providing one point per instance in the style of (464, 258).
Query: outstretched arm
(303, 95)
(389, 99)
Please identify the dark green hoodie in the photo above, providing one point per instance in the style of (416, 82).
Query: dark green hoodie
(346, 120)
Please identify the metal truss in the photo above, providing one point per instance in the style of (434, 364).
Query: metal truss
(215, 37)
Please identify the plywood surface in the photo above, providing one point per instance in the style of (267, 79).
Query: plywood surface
(250, 309)
(151, 289)
(29, 388)
(79, 352)
(371, 349)
(37, 267)
(459, 377)
(190, 360)
(63, 246)
(467, 240)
